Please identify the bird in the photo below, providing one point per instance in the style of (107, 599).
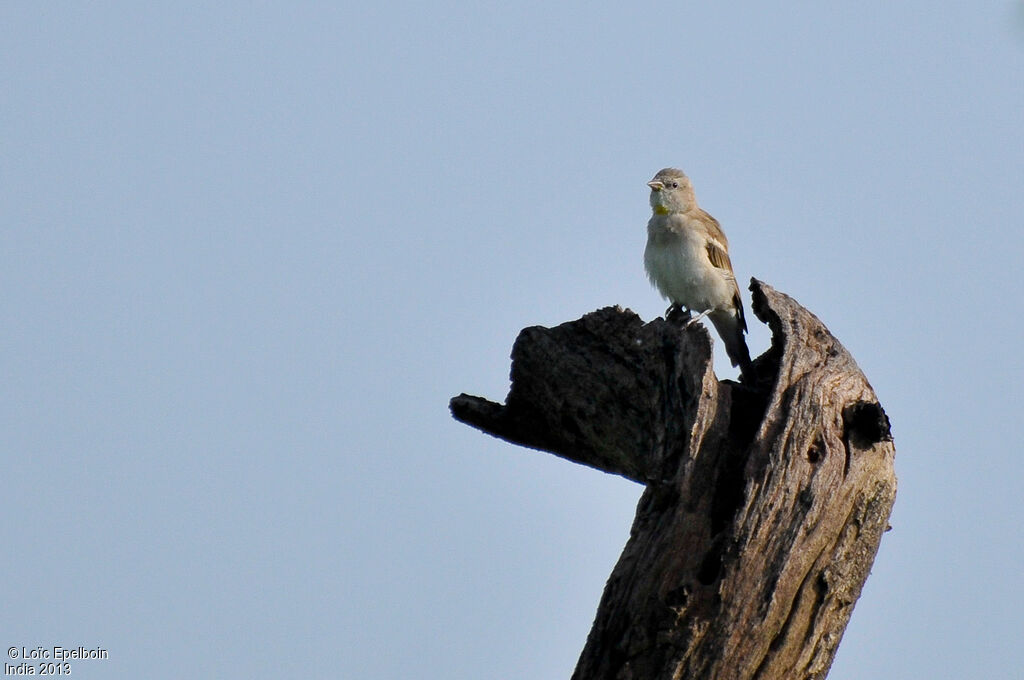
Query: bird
(687, 260)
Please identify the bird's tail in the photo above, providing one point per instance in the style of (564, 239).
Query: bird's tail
(731, 327)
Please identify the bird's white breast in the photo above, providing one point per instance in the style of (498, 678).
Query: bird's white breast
(677, 263)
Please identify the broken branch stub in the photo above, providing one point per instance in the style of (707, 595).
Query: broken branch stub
(764, 504)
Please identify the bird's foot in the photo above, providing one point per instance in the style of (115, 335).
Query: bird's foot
(677, 314)
(697, 318)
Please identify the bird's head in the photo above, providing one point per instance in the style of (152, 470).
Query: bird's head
(671, 192)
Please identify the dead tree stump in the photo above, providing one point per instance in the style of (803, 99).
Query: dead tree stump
(764, 504)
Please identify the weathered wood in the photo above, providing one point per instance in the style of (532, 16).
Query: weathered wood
(764, 504)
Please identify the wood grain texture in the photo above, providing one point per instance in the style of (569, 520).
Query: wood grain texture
(764, 503)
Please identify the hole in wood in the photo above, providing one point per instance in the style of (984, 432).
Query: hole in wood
(866, 424)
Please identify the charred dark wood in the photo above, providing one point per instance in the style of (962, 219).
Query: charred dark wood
(764, 503)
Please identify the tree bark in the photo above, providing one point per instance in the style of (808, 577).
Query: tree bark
(764, 504)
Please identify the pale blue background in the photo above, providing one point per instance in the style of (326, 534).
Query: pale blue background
(250, 250)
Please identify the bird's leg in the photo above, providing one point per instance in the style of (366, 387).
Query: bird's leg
(698, 318)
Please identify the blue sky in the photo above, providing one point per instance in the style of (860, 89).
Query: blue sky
(250, 250)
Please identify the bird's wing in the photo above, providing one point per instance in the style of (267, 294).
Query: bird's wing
(719, 256)
(713, 228)
(717, 245)
(718, 253)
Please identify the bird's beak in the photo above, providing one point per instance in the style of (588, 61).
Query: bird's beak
(656, 185)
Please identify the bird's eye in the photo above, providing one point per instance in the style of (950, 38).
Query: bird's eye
(675, 185)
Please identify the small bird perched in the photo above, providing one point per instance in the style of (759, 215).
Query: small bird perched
(687, 260)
